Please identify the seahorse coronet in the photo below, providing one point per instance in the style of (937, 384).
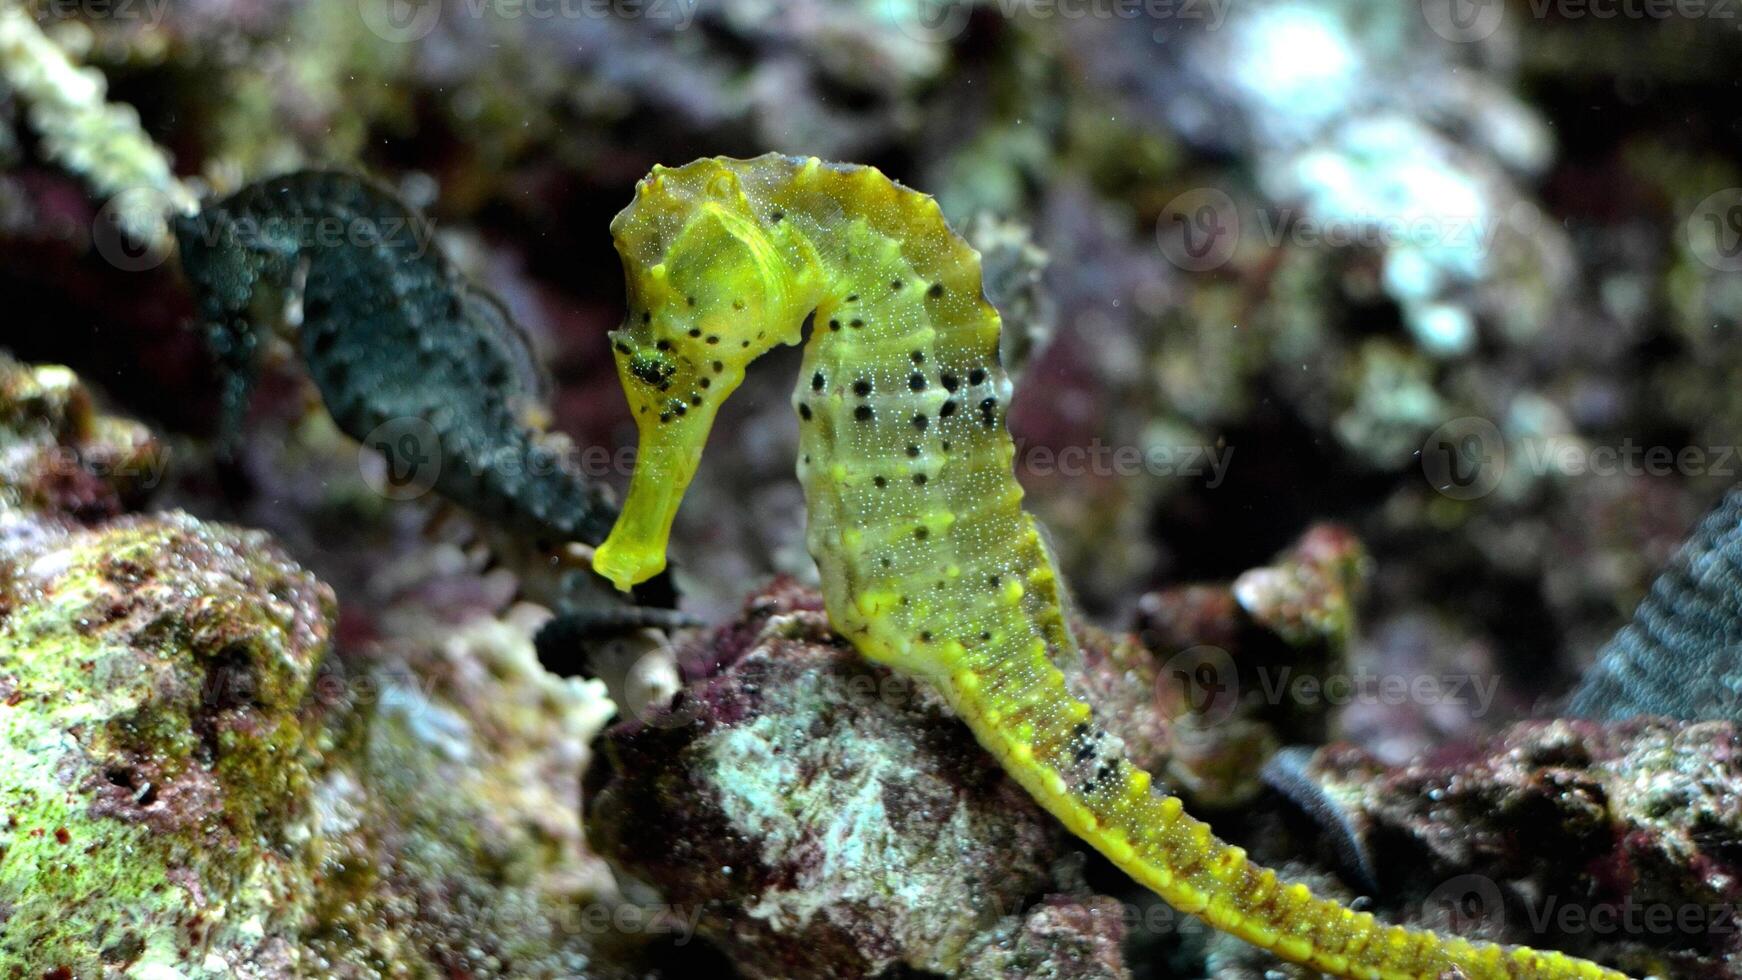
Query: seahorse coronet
(927, 561)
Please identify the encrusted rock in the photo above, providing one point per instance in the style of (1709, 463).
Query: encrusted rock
(152, 752)
(1616, 842)
(194, 784)
(823, 817)
(1222, 663)
(1309, 595)
(1061, 937)
(59, 456)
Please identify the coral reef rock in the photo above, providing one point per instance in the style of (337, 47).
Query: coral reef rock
(154, 753)
(60, 456)
(824, 818)
(195, 784)
(1616, 841)
(1061, 937)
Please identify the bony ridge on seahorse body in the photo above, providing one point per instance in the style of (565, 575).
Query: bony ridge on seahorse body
(928, 562)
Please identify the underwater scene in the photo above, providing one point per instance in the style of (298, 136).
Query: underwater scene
(905, 489)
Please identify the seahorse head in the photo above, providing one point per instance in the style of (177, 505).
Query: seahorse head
(712, 285)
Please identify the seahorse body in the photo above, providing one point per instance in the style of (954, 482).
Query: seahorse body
(390, 331)
(928, 562)
(1681, 656)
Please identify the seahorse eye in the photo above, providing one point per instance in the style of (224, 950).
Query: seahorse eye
(653, 367)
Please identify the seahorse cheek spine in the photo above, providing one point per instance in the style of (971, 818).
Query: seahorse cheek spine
(927, 560)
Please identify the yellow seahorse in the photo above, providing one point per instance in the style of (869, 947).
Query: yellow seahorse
(928, 562)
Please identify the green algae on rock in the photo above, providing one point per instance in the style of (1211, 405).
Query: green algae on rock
(192, 785)
(151, 746)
